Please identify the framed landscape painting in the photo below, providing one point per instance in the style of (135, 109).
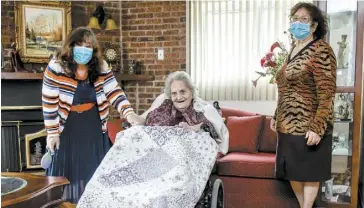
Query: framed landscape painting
(42, 26)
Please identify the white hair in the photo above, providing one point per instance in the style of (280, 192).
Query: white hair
(180, 76)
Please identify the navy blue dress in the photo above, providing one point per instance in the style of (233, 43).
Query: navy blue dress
(82, 145)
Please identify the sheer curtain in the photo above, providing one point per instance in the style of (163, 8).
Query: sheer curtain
(227, 39)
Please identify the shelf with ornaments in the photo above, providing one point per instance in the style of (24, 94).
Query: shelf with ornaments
(345, 36)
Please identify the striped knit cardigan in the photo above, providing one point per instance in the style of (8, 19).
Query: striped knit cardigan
(59, 89)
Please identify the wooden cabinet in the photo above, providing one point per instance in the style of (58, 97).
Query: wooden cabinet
(22, 190)
(345, 35)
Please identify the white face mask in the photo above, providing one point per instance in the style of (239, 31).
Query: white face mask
(82, 54)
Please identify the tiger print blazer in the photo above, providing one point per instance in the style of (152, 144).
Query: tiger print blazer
(306, 91)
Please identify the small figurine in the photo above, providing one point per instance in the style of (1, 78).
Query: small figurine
(342, 107)
(131, 66)
(341, 55)
(329, 189)
(138, 67)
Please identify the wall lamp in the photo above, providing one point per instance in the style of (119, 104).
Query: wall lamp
(99, 17)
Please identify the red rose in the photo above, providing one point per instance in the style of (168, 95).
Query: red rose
(269, 56)
(262, 61)
(274, 46)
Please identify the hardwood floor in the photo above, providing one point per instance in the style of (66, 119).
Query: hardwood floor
(67, 205)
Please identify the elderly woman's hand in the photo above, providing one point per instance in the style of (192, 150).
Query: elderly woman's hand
(312, 138)
(134, 119)
(185, 125)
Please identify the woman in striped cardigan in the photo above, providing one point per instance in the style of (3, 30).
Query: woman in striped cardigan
(77, 90)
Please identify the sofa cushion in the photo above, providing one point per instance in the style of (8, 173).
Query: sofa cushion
(268, 138)
(227, 112)
(113, 127)
(255, 165)
(244, 133)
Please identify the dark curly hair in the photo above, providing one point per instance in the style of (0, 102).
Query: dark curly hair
(316, 16)
(65, 54)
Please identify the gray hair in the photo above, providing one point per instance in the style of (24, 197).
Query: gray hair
(180, 76)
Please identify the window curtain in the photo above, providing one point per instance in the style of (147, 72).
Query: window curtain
(227, 39)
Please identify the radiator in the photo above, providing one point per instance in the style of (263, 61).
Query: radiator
(10, 148)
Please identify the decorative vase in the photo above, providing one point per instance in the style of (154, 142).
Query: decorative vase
(131, 66)
(138, 67)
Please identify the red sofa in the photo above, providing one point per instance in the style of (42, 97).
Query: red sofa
(248, 170)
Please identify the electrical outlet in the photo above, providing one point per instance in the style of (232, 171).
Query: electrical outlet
(161, 54)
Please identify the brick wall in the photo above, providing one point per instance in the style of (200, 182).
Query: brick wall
(146, 26)
(7, 26)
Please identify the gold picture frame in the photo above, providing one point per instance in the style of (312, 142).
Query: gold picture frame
(42, 26)
(28, 155)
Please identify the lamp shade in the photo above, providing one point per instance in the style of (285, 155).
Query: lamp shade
(110, 24)
(93, 23)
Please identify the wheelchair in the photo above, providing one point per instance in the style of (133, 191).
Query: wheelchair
(213, 194)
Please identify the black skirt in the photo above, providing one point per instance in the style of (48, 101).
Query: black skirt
(82, 148)
(296, 161)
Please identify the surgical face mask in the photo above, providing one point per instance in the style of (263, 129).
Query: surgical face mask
(299, 30)
(82, 55)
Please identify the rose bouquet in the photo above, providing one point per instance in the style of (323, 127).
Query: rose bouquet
(272, 62)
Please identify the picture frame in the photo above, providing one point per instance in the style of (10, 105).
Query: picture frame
(35, 148)
(42, 27)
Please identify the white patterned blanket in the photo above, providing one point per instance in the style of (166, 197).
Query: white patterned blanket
(152, 167)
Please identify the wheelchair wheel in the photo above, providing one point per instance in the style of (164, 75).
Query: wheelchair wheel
(217, 198)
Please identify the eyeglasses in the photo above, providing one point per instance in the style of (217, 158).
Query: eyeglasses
(301, 19)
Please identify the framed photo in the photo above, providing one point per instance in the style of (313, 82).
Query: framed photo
(42, 26)
(35, 148)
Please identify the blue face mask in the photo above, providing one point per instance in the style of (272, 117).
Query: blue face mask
(299, 30)
(82, 55)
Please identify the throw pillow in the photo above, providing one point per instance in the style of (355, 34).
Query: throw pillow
(268, 139)
(244, 133)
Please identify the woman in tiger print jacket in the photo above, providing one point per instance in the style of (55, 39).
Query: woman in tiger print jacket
(304, 114)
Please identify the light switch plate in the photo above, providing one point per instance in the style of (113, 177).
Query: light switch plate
(160, 54)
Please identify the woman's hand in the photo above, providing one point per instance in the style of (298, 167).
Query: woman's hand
(185, 125)
(273, 125)
(51, 142)
(134, 119)
(312, 138)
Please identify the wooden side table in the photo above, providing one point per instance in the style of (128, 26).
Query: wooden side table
(38, 191)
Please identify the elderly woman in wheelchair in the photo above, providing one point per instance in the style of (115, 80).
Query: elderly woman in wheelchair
(167, 162)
